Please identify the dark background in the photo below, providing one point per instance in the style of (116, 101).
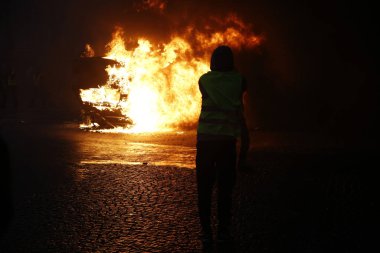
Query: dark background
(315, 71)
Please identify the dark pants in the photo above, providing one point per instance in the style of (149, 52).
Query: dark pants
(215, 163)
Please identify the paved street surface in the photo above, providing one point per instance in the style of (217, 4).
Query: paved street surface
(76, 191)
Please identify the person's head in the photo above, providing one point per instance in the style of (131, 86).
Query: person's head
(222, 59)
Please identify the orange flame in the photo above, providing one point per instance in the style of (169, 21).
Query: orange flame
(152, 4)
(156, 86)
(88, 51)
(236, 34)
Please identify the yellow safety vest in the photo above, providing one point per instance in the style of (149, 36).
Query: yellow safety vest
(221, 103)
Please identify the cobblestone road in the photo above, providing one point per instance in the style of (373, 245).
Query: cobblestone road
(111, 208)
(291, 200)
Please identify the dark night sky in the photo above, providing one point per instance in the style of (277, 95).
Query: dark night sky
(316, 70)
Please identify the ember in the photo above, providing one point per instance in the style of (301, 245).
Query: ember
(154, 87)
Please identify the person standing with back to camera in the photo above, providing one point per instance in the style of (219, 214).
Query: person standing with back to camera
(221, 123)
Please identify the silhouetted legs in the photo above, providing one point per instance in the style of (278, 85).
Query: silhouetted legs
(215, 163)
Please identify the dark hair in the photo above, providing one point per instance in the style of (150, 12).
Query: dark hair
(222, 59)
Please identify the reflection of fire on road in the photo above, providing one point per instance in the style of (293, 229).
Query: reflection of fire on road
(154, 87)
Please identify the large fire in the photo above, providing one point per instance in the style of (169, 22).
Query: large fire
(154, 86)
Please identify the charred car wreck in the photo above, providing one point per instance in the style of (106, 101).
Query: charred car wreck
(88, 73)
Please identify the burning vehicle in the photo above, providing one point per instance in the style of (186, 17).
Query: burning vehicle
(152, 87)
(89, 72)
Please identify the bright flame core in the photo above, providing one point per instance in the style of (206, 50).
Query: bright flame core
(157, 86)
